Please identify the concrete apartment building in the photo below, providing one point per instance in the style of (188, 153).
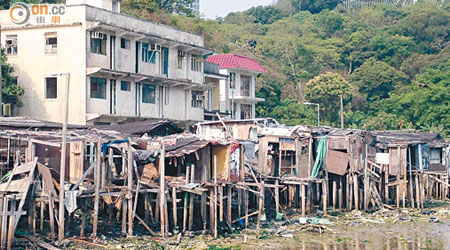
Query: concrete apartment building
(120, 67)
(237, 94)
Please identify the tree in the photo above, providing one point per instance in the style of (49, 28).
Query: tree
(151, 6)
(314, 6)
(10, 90)
(265, 14)
(375, 80)
(326, 90)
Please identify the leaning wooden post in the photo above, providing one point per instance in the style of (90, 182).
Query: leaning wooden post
(130, 188)
(334, 195)
(260, 206)
(11, 228)
(229, 203)
(162, 186)
(97, 188)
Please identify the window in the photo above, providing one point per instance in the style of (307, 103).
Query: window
(246, 111)
(11, 45)
(125, 86)
(98, 43)
(124, 43)
(148, 55)
(232, 80)
(148, 93)
(197, 99)
(435, 156)
(196, 63)
(246, 83)
(181, 55)
(98, 88)
(51, 88)
(51, 43)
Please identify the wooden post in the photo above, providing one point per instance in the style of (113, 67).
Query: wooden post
(277, 197)
(418, 191)
(386, 184)
(186, 200)
(162, 186)
(220, 203)
(260, 206)
(51, 214)
(348, 189)
(366, 182)
(174, 206)
(355, 190)
(229, 203)
(334, 195)
(11, 228)
(4, 222)
(83, 224)
(191, 200)
(130, 188)
(41, 218)
(124, 214)
(325, 196)
(246, 208)
(341, 198)
(62, 171)
(303, 186)
(97, 189)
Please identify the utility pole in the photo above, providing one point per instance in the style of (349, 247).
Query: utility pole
(342, 112)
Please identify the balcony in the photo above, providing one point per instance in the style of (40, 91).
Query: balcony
(211, 68)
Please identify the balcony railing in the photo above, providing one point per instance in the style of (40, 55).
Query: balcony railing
(211, 68)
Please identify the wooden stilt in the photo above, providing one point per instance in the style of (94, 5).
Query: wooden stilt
(124, 214)
(4, 222)
(51, 207)
(174, 206)
(334, 195)
(83, 224)
(162, 187)
(130, 188)
(260, 207)
(41, 218)
(229, 203)
(191, 200)
(341, 198)
(11, 228)
(325, 197)
(277, 197)
(246, 208)
(220, 203)
(303, 187)
(356, 191)
(97, 188)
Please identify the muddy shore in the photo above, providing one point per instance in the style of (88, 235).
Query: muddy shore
(385, 229)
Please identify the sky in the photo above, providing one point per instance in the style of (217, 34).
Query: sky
(213, 8)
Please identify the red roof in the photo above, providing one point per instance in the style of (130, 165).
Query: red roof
(228, 61)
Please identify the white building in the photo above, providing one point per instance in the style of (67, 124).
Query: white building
(239, 91)
(120, 67)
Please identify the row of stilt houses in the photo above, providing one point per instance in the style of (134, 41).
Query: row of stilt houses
(153, 178)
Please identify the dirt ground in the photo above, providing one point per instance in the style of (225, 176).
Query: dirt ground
(386, 229)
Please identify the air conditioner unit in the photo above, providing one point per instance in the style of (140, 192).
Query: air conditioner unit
(97, 35)
(181, 53)
(7, 109)
(155, 47)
